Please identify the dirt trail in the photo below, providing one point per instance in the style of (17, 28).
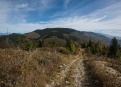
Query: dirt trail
(76, 74)
(60, 77)
(81, 79)
(73, 76)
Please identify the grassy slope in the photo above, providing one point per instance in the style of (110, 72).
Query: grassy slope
(47, 67)
(25, 69)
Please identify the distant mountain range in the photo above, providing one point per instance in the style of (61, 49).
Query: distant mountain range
(60, 35)
(67, 33)
(1, 34)
(109, 36)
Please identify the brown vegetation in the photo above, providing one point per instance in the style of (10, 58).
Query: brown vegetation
(49, 67)
(105, 72)
(34, 68)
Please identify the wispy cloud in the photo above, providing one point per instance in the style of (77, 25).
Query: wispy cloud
(104, 20)
(66, 2)
(22, 5)
(45, 3)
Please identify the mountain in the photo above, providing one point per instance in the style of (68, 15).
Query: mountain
(12, 38)
(60, 35)
(1, 34)
(32, 35)
(67, 33)
(109, 36)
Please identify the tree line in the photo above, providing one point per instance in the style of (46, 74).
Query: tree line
(98, 48)
(29, 44)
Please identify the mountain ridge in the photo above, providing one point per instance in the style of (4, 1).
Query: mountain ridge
(62, 34)
(74, 35)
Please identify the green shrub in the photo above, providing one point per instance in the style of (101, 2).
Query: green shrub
(71, 46)
(64, 50)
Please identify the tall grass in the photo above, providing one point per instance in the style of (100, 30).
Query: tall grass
(20, 68)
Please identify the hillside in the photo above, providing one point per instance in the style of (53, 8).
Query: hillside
(12, 37)
(60, 35)
(67, 33)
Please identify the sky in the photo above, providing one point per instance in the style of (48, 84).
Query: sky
(21, 16)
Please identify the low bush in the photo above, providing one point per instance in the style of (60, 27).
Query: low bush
(64, 50)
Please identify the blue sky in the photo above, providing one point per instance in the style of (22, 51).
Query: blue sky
(21, 16)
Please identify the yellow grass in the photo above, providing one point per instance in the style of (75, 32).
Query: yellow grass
(20, 68)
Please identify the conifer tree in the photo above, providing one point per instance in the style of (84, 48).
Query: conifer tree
(90, 43)
(21, 42)
(114, 48)
(41, 42)
(99, 46)
(70, 45)
(29, 45)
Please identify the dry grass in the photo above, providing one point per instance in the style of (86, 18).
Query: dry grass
(105, 71)
(40, 67)
(30, 69)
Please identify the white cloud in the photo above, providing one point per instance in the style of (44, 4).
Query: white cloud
(111, 11)
(66, 2)
(111, 32)
(45, 4)
(106, 19)
(79, 23)
(22, 6)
